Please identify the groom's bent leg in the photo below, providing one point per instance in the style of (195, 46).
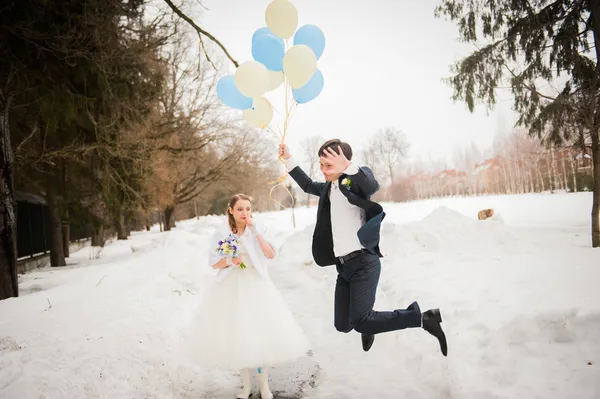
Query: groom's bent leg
(363, 288)
(342, 305)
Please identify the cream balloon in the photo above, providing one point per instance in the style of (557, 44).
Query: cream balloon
(281, 17)
(275, 79)
(252, 79)
(261, 113)
(299, 65)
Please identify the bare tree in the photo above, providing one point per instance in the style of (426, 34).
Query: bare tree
(370, 158)
(251, 174)
(386, 150)
(465, 160)
(189, 131)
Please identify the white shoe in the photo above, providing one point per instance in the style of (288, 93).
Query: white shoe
(263, 384)
(246, 384)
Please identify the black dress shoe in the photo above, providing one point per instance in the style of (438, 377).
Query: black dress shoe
(431, 323)
(367, 341)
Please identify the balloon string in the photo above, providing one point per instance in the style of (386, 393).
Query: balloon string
(289, 112)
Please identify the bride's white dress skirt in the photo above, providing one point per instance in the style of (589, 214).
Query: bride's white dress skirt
(244, 322)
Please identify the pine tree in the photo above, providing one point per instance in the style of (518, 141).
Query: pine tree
(533, 45)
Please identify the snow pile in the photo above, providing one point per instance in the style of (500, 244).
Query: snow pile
(446, 230)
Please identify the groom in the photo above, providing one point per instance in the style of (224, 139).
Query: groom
(347, 235)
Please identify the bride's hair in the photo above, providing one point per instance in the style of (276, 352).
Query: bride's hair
(232, 203)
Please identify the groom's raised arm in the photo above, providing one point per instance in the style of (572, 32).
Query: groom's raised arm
(303, 180)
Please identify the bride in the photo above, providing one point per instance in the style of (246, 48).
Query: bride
(243, 322)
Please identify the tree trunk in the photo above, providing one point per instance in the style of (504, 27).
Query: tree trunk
(541, 184)
(127, 227)
(514, 178)
(564, 171)
(65, 224)
(66, 235)
(550, 175)
(574, 171)
(57, 254)
(519, 175)
(98, 237)
(506, 180)
(121, 229)
(595, 125)
(98, 211)
(530, 173)
(556, 179)
(524, 177)
(596, 195)
(510, 182)
(169, 217)
(9, 286)
(391, 168)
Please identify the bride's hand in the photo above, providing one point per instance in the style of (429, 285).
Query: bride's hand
(236, 261)
(250, 224)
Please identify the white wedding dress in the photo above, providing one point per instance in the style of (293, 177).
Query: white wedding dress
(244, 322)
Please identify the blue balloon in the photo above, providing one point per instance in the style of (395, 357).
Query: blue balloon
(267, 31)
(311, 90)
(269, 51)
(229, 94)
(312, 37)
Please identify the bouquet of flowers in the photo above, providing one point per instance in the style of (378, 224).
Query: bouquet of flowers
(229, 247)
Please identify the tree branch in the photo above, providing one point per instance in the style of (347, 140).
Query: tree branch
(201, 32)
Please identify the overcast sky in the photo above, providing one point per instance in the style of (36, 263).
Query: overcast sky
(383, 64)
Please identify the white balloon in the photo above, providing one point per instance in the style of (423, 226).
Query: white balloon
(281, 17)
(275, 79)
(261, 113)
(252, 79)
(299, 65)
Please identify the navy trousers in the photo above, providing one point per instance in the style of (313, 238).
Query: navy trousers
(355, 291)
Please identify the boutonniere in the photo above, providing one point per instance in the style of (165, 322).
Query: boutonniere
(346, 182)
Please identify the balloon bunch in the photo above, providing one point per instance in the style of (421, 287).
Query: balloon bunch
(274, 65)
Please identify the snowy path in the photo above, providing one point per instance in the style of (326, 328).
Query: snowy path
(519, 299)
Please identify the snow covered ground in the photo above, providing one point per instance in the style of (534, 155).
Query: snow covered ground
(519, 297)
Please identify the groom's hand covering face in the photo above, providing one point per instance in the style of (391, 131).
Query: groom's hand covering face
(334, 162)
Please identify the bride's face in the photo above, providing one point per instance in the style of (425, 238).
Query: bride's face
(241, 211)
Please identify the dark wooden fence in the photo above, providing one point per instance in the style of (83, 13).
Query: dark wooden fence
(33, 237)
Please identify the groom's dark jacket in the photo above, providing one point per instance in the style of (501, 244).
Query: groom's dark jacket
(363, 186)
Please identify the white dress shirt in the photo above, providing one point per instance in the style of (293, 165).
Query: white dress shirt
(346, 219)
